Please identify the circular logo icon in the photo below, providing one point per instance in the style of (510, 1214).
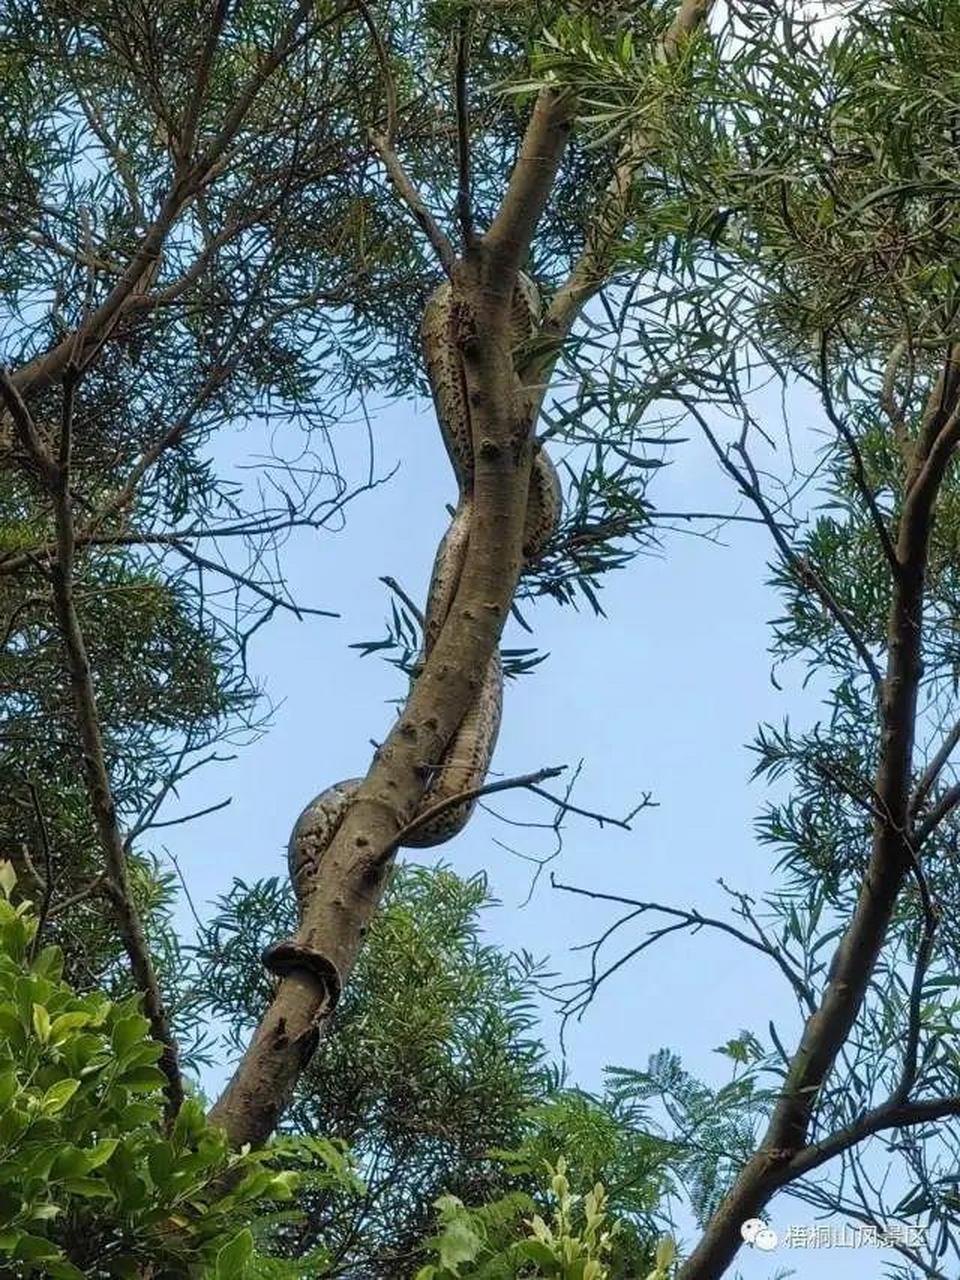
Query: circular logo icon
(758, 1235)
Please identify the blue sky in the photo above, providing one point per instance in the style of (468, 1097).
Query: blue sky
(660, 696)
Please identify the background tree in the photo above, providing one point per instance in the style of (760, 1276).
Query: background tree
(184, 249)
(437, 1079)
(196, 229)
(842, 230)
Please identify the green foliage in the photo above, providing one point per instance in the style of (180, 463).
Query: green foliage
(434, 1060)
(91, 1182)
(573, 1243)
(437, 1078)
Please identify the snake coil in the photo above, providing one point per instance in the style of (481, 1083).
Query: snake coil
(467, 758)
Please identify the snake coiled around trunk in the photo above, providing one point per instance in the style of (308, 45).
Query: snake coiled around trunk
(467, 758)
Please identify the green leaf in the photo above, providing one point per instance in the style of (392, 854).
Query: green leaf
(63, 1270)
(8, 1086)
(234, 1256)
(102, 1152)
(32, 1248)
(536, 1251)
(65, 1023)
(128, 1033)
(458, 1243)
(144, 1079)
(58, 1095)
(8, 877)
(91, 1188)
(71, 1162)
(41, 1023)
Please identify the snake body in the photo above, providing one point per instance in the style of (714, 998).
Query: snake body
(467, 758)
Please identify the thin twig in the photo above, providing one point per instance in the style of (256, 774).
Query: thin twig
(464, 179)
(686, 920)
(186, 890)
(806, 574)
(527, 781)
(189, 817)
(859, 470)
(602, 819)
(399, 592)
(47, 879)
(932, 771)
(92, 887)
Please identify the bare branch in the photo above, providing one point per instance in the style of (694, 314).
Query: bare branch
(526, 781)
(99, 790)
(693, 920)
(531, 180)
(933, 769)
(859, 471)
(464, 181)
(804, 572)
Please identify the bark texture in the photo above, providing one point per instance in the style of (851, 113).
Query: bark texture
(783, 1154)
(356, 865)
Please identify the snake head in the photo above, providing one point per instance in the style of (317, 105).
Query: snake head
(291, 956)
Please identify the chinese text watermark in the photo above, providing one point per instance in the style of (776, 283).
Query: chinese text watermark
(761, 1236)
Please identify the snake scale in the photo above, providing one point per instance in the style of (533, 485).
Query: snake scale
(467, 758)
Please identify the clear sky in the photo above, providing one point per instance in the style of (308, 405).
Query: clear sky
(662, 696)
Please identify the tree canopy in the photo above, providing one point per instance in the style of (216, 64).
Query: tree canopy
(233, 214)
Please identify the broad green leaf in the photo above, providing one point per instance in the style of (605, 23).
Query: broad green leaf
(144, 1079)
(88, 1187)
(41, 1023)
(458, 1243)
(8, 877)
(58, 1095)
(233, 1257)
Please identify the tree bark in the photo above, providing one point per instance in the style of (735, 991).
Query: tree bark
(783, 1153)
(356, 865)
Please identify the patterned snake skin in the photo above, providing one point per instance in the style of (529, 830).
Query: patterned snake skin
(467, 758)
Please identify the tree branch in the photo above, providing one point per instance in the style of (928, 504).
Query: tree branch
(892, 858)
(95, 770)
(944, 806)
(526, 781)
(82, 344)
(892, 1115)
(464, 180)
(859, 471)
(687, 920)
(933, 769)
(412, 198)
(385, 145)
(749, 486)
(508, 239)
(607, 220)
